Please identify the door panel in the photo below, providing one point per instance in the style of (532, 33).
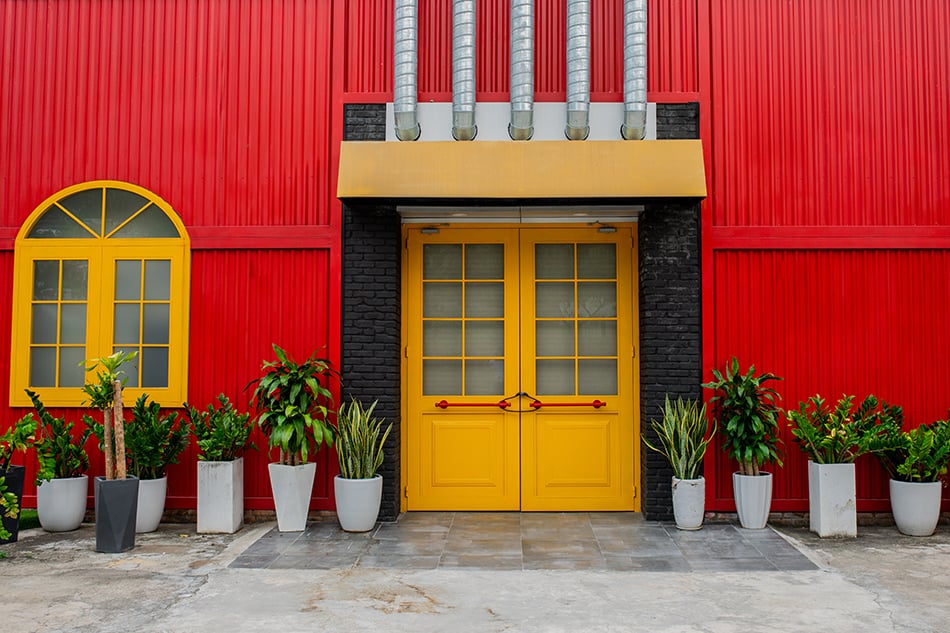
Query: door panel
(540, 320)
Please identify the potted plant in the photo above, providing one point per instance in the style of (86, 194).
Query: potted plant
(682, 438)
(915, 460)
(16, 438)
(222, 435)
(749, 421)
(62, 487)
(154, 442)
(291, 407)
(832, 439)
(116, 493)
(359, 447)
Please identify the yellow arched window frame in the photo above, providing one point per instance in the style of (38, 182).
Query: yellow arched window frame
(99, 267)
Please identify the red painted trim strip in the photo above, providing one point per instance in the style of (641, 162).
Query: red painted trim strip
(829, 238)
(262, 237)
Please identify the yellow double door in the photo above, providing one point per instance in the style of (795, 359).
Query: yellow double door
(519, 370)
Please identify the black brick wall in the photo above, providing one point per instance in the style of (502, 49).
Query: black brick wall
(371, 308)
(670, 312)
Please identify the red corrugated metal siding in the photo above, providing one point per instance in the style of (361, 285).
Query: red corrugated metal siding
(368, 67)
(830, 113)
(222, 108)
(835, 322)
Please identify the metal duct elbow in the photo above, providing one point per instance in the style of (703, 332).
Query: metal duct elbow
(634, 70)
(521, 125)
(578, 70)
(406, 69)
(463, 70)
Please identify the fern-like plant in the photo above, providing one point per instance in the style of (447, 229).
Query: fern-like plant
(682, 436)
(360, 440)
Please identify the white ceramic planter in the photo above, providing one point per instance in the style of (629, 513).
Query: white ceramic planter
(61, 503)
(916, 506)
(689, 503)
(753, 496)
(831, 500)
(151, 504)
(292, 487)
(357, 502)
(221, 496)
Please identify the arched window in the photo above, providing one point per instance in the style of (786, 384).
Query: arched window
(100, 267)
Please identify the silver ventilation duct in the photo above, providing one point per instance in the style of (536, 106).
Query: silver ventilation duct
(521, 127)
(406, 68)
(578, 70)
(463, 70)
(634, 70)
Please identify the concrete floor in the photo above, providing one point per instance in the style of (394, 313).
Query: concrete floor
(176, 580)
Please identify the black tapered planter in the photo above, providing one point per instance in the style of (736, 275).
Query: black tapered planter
(13, 477)
(116, 505)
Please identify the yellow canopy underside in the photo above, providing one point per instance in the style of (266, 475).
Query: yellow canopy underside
(528, 169)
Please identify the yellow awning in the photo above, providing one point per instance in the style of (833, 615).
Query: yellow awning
(522, 170)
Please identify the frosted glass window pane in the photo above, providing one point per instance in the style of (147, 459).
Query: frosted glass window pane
(46, 281)
(45, 317)
(485, 261)
(149, 223)
(554, 338)
(87, 207)
(70, 366)
(555, 300)
(442, 261)
(597, 377)
(155, 367)
(120, 205)
(485, 299)
(127, 322)
(56, 225)
(75, 280)
(73, 324)
(484, 377)
(158, 280)
(485, 338)
(155, 324)
(130, 369)
(597, 299)
(596, 261)
(442, 338)
(42, 366)
(554, 261)
(442, 377)
(441, 300)
(128, 280)
(555, 377)
(597, 338)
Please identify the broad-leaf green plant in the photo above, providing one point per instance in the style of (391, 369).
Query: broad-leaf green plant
(222, 434)
(749, 415)
(291, 404)
(833, 436)
(154, 441)
(921, 454)
(360, 440)
(105, 395)
(18, 437)
(61, 454)
(683, 433)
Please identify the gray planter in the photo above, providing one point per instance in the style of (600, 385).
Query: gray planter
(221, 496)
(13, 477)
(151, 504)
(689, 503)
(916, 506)
(832, 509)
(292, 487)
(357, 502)
(61, 503)
(116, 505)
(753, 496)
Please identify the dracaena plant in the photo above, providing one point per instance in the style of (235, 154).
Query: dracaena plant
(836, 435)
(360, 439)
(61, 454)
(222, 434)
(291, 401)
(748, 416)
(682, 436)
